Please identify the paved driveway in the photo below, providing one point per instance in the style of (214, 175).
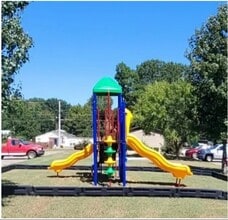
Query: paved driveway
(14, 160)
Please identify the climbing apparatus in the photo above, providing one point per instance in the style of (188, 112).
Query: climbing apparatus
(110, 162)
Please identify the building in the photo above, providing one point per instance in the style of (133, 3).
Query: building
(50, 139)
(5, 133)
(153, 140)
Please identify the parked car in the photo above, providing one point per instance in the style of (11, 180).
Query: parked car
(17, 147)
(192, 152)
(212, 153)
(183, 151)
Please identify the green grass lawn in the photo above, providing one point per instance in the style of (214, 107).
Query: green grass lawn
(109, 207)
(83, 178)
(112, 207)
(64, 153)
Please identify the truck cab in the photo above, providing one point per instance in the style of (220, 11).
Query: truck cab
(18, 147)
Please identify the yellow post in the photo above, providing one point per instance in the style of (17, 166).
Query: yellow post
(128, 119)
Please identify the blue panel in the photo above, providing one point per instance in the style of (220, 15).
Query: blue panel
(95, 175)
(124, 149)
(120, 137)
(122, 154)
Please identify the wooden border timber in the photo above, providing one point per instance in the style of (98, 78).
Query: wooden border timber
(27, 190)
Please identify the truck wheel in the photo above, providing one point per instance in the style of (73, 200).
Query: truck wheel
(31, 154)
(209, 158)
(2, 157)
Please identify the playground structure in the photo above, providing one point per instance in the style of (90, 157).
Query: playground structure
(111, 135)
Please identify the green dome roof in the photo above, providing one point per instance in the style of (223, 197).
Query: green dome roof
(107, 85)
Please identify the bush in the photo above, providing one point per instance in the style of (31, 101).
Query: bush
(81, 145)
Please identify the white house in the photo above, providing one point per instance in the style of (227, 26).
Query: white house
(153, 140)
(6, 133)
(66, 139)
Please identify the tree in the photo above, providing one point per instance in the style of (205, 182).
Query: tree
(156, 70)
(208, 56)
(128, 79)
(23, 118)
(47, 118)
(134, 81)
(29, 118)
(15, 46)
(79, 120)
(52, 105)
(167, 108)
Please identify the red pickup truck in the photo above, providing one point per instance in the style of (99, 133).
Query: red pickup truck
(17, 147)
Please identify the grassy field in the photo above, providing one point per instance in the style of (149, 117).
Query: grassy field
(64, 153)
(112, 207)
(83, 178)
(109, 207)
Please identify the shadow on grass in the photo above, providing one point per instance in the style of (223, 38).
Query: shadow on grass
(156, 183)
(6, 196)
(8, 182)
(133, 155)
(82, 176)
(205, 168)
(104, 180)
(86, 177)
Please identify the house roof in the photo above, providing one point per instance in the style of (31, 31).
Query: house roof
(56, 133)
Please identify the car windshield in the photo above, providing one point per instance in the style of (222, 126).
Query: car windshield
(24, 142)
(215, 146)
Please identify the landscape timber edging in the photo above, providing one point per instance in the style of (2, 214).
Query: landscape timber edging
(27, 190)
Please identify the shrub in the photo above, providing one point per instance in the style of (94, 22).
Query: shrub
(81, 145)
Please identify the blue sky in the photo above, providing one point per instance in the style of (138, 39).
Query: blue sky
(78, 43)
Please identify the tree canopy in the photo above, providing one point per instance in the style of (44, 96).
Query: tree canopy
(28, 118)
(128, 79)
(23, 118)
(156, 70)
(15, 46)
(208, 56)
(79, 120)
(134, 81)
(167, 108)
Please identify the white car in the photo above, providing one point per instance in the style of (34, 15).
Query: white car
(212, 153)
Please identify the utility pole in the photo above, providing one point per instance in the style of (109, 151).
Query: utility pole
(59, 127)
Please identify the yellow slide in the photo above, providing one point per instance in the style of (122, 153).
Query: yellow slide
(59, 165)
(178, 170)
